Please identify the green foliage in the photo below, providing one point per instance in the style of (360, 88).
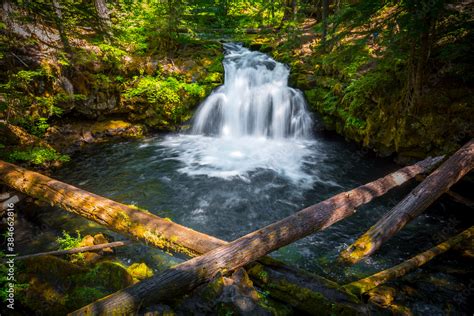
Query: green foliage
(37, 156)
(167, 97)
(40, 127)
(67, 241)
(111, 54)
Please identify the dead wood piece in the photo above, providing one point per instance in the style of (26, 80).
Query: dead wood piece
(78, 250)
(361, 286)
(412, 205)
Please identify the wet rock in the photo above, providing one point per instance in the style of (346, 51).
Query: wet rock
(87, 241)
(111, 275)
(47, 279)
(72, 137)
(101, 239)
(90, 258)
(51, 267)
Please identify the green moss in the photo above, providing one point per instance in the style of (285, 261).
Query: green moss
(81, 296)
(140, 271)
(214, 288)
(68, 242)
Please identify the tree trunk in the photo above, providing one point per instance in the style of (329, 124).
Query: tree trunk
(272, 10)
(368, 283)
(104, 16)
(325, 13)
(185, 276)
(126, 220)
(294, 9)
(412, 205)
(58, 18)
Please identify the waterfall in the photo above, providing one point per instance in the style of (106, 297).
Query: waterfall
(255, 100)
(252, 126)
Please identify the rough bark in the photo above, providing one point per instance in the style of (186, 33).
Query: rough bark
(325, 13)
(126, 220)
(77, 250)
(368, 283)
(58, 18)
(103, 15)
(455, 197)
(412, 205)
(185, 276)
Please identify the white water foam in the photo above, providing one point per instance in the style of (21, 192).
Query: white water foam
(237, 157)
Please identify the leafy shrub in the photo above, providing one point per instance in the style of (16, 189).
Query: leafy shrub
(69, 242)
(37, 155)
(169, 98)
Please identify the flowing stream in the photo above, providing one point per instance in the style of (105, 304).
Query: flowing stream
(252, 157)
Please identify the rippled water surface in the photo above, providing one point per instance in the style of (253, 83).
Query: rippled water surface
(169, 176)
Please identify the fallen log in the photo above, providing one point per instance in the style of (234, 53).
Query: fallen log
(127, 220)
(364, 285)
(412, 205)
(77, 250)
(301, 289)
(137, 224)
(186, 276)
(119, 217)
(456, 197)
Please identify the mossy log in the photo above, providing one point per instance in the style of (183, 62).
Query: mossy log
(126, 220)
(455, 197)
(184, 277)
(412, 205)
(364, 285)
(302, 290)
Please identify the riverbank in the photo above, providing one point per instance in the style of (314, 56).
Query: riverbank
(359, 88)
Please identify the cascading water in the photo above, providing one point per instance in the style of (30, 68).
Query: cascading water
(252, 122)
(255, 100)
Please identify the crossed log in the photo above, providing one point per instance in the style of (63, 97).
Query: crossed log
(412, 205)
(219, 254)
